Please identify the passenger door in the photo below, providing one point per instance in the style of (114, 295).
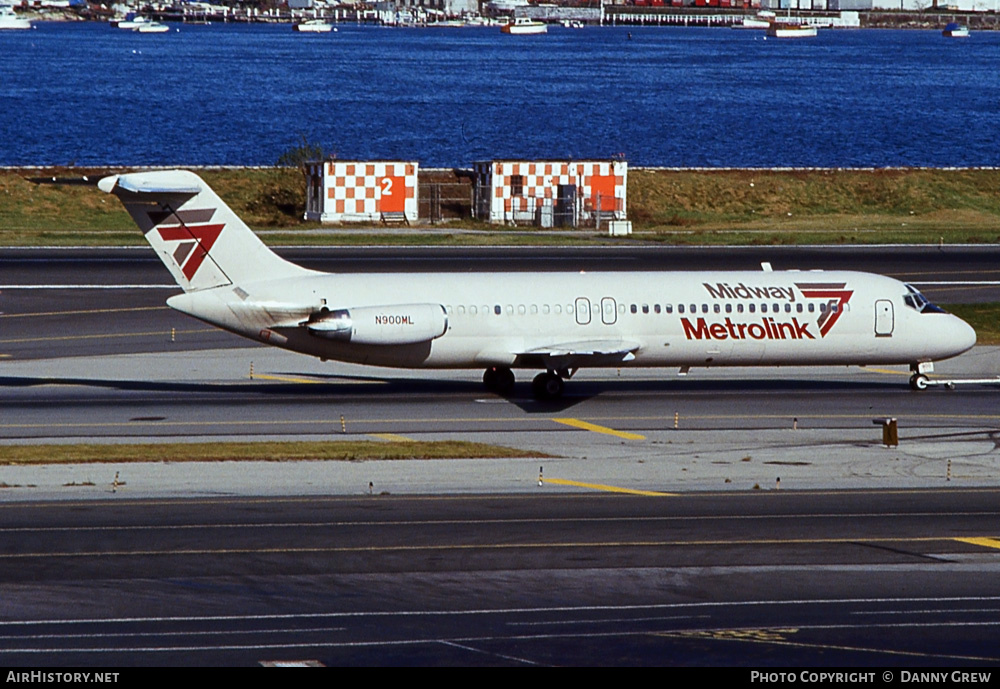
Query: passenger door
(884, 318)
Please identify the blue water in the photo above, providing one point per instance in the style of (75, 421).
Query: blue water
(243, 95)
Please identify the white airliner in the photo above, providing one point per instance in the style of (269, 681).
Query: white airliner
(553, 322)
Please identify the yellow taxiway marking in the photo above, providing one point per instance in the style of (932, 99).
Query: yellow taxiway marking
(984, 542)
(455, 547)
(83, 311)
(392, 437)
(291, 379)
(610, 489)
(577, 423)
(886, 370)
(163, 333)
(285, 379)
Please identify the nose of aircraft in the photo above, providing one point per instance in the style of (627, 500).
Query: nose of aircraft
(961, 335)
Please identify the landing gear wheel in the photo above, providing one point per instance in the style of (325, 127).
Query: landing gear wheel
(547, 386)
(918, 381)
(499, 379)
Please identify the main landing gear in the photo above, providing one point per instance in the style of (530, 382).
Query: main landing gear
(499, 379)
(546, 386)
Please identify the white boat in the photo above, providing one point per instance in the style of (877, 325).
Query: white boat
(760, 22)
(783, 30)
(523, 26)
(313, 26)
(955, 30)
(131, 22)
(9, 20)
(152, 27)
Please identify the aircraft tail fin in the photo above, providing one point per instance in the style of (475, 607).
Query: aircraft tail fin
(198, 237)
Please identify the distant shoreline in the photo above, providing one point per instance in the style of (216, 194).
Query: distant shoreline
(618, 16)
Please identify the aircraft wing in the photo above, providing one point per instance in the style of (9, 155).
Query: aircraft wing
(580, 354)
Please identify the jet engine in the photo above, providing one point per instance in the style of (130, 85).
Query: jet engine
(399, 324)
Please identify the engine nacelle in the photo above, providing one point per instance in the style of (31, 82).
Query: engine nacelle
(399, 324)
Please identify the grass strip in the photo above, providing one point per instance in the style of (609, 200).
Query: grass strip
(346, 450)
(678, 207)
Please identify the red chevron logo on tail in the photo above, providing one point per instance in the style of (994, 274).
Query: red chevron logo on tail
(194, 239)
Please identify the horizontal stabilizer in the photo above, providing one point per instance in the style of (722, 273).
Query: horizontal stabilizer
(179, 185)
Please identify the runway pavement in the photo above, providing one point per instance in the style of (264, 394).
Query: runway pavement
(746, 549)
(642, 430)
(90, 353)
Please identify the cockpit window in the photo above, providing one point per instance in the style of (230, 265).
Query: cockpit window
(915, 300)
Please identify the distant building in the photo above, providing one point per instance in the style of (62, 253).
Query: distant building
(451, 8)
(353, 190)
(855, 5)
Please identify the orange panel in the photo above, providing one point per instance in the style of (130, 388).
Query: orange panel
(369, 170)
(340, 206)
(393, 199)
(605, 187)
(350, 170)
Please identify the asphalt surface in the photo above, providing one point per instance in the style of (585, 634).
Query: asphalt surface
(89, 353)
(727, 518)
(890, 579)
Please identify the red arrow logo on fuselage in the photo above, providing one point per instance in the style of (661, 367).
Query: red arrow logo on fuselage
(834, 292)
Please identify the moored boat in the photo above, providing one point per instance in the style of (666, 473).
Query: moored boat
(955, 30)
(523, 26)
(10, 20)
(784, 30)
(313, 26)
(152, 27)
